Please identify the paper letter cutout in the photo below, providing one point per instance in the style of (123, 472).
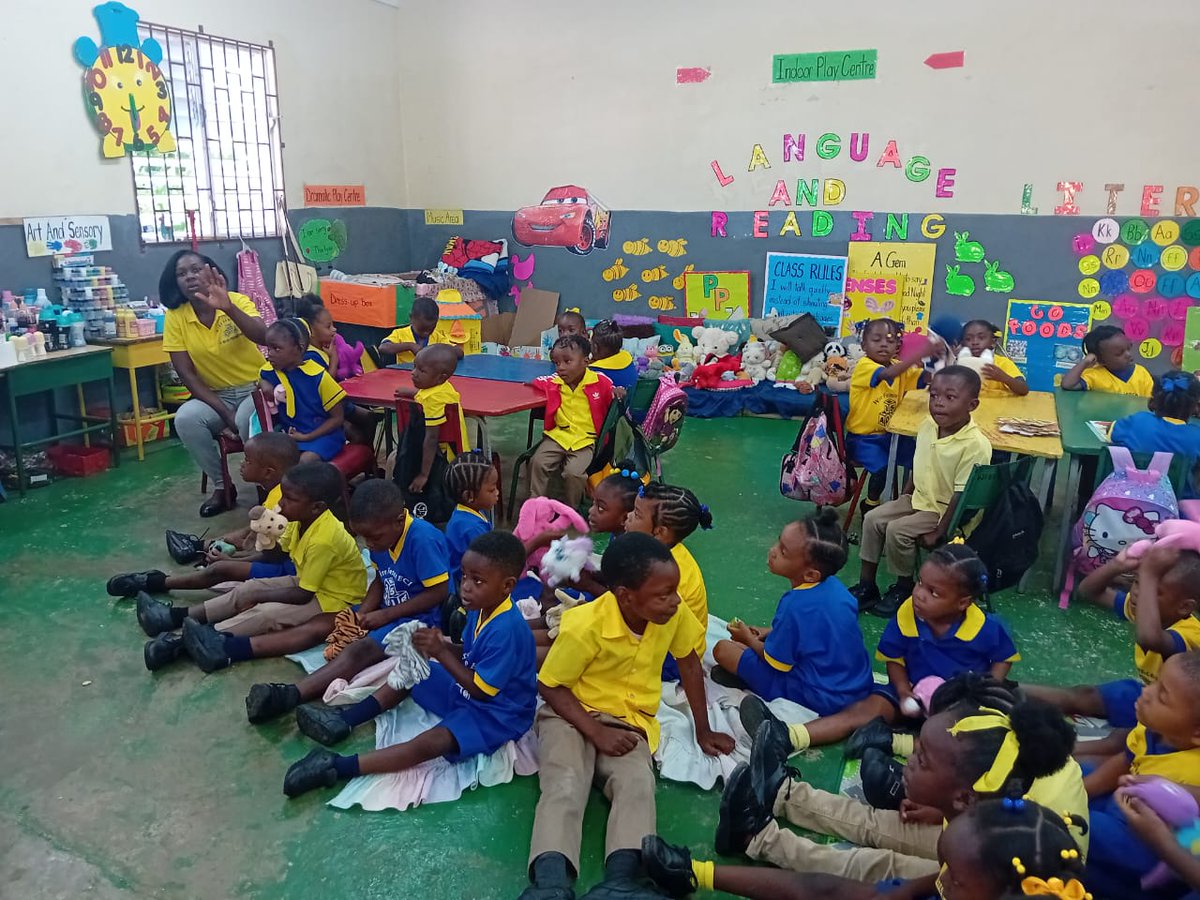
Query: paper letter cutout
(945, 183)
(1150, 194)
(790, 225)
(917, 169)
(859, 141)
(719, 221)
(780, 195)
(1185, 199)
(896, 229)
(722, 179)
(861, 234)
(793, 148)
(889, 157)
(807, 190)
(1069, 190)
(829, 145)
(933, 226)
(822, 223)
(835, 191)
(760, 223)
(1027, 207)
(1110, 206)
(758, 159)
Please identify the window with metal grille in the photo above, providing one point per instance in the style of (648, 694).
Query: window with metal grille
(223, 178)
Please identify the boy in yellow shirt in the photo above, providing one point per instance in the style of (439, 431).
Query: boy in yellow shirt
(602, 685)
(407, 341)
(432, 389)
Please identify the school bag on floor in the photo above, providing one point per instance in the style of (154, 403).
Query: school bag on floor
(1124, 509)
(815, 468)
(1007, 535)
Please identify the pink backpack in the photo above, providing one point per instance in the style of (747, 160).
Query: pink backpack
(814, 470)
(664, 418)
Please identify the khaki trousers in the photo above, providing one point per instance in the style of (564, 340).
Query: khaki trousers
(893, 528)
(568, 767)
(247, 609)
(896, 849)
(550, 457)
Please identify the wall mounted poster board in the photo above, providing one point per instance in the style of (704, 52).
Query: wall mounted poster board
(1043, 338)
(1191, 340)
(797, 283)
(907, 285)
(717, 295)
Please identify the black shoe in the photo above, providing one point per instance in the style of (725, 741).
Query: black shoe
(754, 713)
(892, 600)
(153, 615)
(185, 549)
(314, 771)
(552, 878)
(322, 723)
(727, 679)
(768, 761)
(867, 596)
(215, 505)
(882, 779)
(162, 651)
(623, 879)
(133, 583)
(205, 645)
(741, 816)
(269, 701)
(876, 733)
(670, 866)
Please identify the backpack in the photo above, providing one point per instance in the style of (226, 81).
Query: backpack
(1124, 509)
(814, 469)
(1007, 535)
(433, 504)
(664, 419)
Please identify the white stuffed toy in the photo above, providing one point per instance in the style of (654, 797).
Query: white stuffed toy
(713, 344)
(566, 559)
(756, 360)
(267, 526)
(685, 355)
(774, 353)
(812, 374)
(966, 358)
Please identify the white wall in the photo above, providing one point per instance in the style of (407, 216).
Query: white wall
(338, 96)
(500, 105)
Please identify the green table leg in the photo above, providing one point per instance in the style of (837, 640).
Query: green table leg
(1074, 464)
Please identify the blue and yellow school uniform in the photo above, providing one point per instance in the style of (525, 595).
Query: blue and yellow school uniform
(404, 335)
(814, 654)
(415, 564)
(500, 651)
(975, 644)
(464, 526)
(311, 394)
(620, 369)
(433, 402)
(1120, 697)
(1144, 432)
(610, 669)
(873, 400)
(1134, 381)
(694, 595)
(328, 562)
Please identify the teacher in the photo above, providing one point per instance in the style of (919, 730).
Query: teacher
(211, 336)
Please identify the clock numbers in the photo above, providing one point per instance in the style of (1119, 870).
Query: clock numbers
(96, 101)
(118, 134)
(97, 79)
(125, 54)
(162, 89)
(106, 58)
(105, 123)
(163, 115)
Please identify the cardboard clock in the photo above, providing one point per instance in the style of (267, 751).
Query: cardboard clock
(125, 92)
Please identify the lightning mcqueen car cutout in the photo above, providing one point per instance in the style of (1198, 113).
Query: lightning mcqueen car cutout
(568, 216)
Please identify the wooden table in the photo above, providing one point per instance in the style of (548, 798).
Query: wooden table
(62, 368)
(132, 354)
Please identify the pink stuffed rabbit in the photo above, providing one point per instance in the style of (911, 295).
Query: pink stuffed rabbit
(540, 514)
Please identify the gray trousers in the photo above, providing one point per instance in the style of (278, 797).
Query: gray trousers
(198, 425)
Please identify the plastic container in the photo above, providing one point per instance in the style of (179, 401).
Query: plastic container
(155, 427)
(78, 336)
(78, 461)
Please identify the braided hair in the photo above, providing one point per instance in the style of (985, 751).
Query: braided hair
(576, 342)
(827, 544)
(296, 333)
(606, 338)
(893, 327)
(965, 564)
(677, 509)
(466, 476)
(307, 308)
(626, 482)
(1020, 840)
(1176, 395)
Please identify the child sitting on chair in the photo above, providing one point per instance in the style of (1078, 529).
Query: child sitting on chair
(1001, 376)
(1108, 365)
(577, 402)
(610, 357)
(949, 446)
(407, 341)
(322, 348)
(432, 390)
(571, 321)
(313, 409)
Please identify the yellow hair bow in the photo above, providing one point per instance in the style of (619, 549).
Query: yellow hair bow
(993, 780)
(1055, 887)
(959, 540)
(573, 309)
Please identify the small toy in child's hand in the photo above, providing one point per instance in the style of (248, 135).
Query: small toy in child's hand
(911, 707)
(735, 622)
(225, 547)
(1174, 805)
(924, 690)
(555, 613)
(411, 667)
(566, 559)
(267, 526)
(542, 514)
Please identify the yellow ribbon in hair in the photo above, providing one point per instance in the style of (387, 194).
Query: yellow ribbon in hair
(993, 780)
(573, 309)
(1071, 890)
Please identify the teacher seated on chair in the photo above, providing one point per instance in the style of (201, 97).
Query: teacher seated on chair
(211, 335)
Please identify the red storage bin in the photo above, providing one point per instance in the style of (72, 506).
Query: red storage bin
(79, 461)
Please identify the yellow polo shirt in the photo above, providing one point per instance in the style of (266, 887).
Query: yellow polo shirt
(1151, 756)
(222, 355)
(610, 669)
(274, 495)
(1140, 383)
(1186, 632)
(404, 335)
(327, 561)
(573, 426)
(1008, 367)
(872, 405)
(692, 591)
(941, 466)
(434, 401)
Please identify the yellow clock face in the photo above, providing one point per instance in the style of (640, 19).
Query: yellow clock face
(129, 101)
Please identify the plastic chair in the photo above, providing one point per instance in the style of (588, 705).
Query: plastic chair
(984, 487)
(637, 401)
(352, 460)
(226, 445)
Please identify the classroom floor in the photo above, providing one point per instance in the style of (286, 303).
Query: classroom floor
(121, 784)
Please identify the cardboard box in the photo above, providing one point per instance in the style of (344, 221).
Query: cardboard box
(498, 329)
(536, 312)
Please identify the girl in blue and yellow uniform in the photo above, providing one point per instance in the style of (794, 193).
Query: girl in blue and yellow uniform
(313, 410)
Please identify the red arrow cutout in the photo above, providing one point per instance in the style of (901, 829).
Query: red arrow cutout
(692, 75)
(951, 60)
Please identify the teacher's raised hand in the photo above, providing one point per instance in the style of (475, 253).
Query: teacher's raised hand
(213, 290)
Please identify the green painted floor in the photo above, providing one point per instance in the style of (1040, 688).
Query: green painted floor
(117, 783)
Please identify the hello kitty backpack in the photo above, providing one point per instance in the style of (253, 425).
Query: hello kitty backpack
(1124, 509)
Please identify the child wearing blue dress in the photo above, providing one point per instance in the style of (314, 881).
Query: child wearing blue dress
(813, 653)
(486, 695)
(610, 357)
(1165, 426)
(474, 484)
(313, 409)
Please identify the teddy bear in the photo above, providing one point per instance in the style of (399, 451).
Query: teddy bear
(812, 374)
(566, 559)
(541, 514)
(712, 343)
(774, 353)
(710, 375)
(837, 374)
(266, 525)
(756, 360)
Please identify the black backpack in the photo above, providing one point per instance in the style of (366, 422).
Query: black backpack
(1006, 538)
(434, 504)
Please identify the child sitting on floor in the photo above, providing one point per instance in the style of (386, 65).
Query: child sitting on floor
(602, 687)
(1108, 365)
(407, 341)
(409, 557)
(949, 446)
(312, 411)
(432, 390)
(939, 632)
(1165, 427)
(571, 321)
(1165, 624)
(577, 402)
(484, 693)
(474, 484)
(329, 577)
(1001, 375)
(613, 499)
(813, 653)
(610, 357)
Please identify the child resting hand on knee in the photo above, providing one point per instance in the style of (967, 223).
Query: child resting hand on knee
(313, 410)
(813, 653)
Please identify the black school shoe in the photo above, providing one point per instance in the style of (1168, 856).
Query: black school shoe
(270, 701)
(185, 548)
(314, 771)
(670, 866)
(876, 733)
(130, 584)
(891, 601)
(205, 645)
(867, 596)
(551, 878)
(322, 723)
(768, 730)
(154, 616)
(741, 815)
(882, 779)
(162, 651)
(623, 879)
